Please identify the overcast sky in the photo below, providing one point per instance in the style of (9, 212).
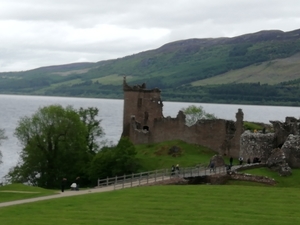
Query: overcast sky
(36, 33)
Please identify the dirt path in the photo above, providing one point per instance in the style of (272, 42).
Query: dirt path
(58, 195)
(81, 192)
(152, 181)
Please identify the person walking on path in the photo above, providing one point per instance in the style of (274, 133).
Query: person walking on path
(172, 170)
(177, 169)
(77, 183)
(63, 184)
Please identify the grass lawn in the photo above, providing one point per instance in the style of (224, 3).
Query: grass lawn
(238, 202)
(197, 204)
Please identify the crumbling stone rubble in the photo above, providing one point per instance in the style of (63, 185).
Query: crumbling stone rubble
(277, 162)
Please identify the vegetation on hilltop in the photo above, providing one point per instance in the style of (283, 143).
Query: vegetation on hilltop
(258, 68)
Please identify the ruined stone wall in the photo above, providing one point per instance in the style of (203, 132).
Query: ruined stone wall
(143, 123)
(209, 133)
(256, 145)
(291, 149)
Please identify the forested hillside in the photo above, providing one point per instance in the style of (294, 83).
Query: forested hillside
(258, 68)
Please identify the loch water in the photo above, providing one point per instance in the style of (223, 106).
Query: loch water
(14, 107)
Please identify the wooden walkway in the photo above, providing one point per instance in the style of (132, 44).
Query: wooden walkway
(144, 178)
(127, 181)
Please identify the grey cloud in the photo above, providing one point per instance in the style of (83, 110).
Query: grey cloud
(39, 33)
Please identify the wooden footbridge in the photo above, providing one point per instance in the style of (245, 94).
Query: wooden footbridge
(144, 178)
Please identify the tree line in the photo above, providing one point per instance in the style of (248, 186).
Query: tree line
(63, 142)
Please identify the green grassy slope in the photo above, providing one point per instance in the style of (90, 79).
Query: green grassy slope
(156, 156)
(270, 72)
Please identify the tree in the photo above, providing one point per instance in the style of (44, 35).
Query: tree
(194, 113)
(2, 137)
(54, 146)
(94, 130)
(115, 161)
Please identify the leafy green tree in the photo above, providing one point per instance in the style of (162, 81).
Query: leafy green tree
(2, 137)
(115, 161)
(54, 146)
(94, 130)
(194, 113)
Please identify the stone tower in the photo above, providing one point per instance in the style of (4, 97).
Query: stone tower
(239, 126)
(142, 106)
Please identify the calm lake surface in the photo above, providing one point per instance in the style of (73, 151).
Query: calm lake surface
(14, 107)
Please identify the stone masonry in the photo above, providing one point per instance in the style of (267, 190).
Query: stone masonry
(144, 123)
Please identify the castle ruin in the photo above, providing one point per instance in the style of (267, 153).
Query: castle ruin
(144, 123)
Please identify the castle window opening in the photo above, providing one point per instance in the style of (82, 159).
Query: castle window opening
(140, 101)
(146, 116)
(146, 128)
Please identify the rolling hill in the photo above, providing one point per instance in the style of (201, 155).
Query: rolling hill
(257, 68)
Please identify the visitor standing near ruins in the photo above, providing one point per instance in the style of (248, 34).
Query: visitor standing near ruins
(212, 166)
(231, 161)
(241, 160)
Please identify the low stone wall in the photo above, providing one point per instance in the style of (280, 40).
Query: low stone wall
(216, 179)
(250, 166)
(220, 179)
(252, 178)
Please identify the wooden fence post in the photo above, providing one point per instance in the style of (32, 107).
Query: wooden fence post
(140, 177)
(147, 177)
(123, 181)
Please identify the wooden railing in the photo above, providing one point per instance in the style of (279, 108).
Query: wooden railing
(138, 179)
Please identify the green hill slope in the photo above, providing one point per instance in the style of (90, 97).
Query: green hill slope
(186, 70)
(270, 72)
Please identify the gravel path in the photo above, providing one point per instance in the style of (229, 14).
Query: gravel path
(58, 195)
(166, 180)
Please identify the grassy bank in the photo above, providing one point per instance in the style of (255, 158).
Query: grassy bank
(199, 204)
(157, 156)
